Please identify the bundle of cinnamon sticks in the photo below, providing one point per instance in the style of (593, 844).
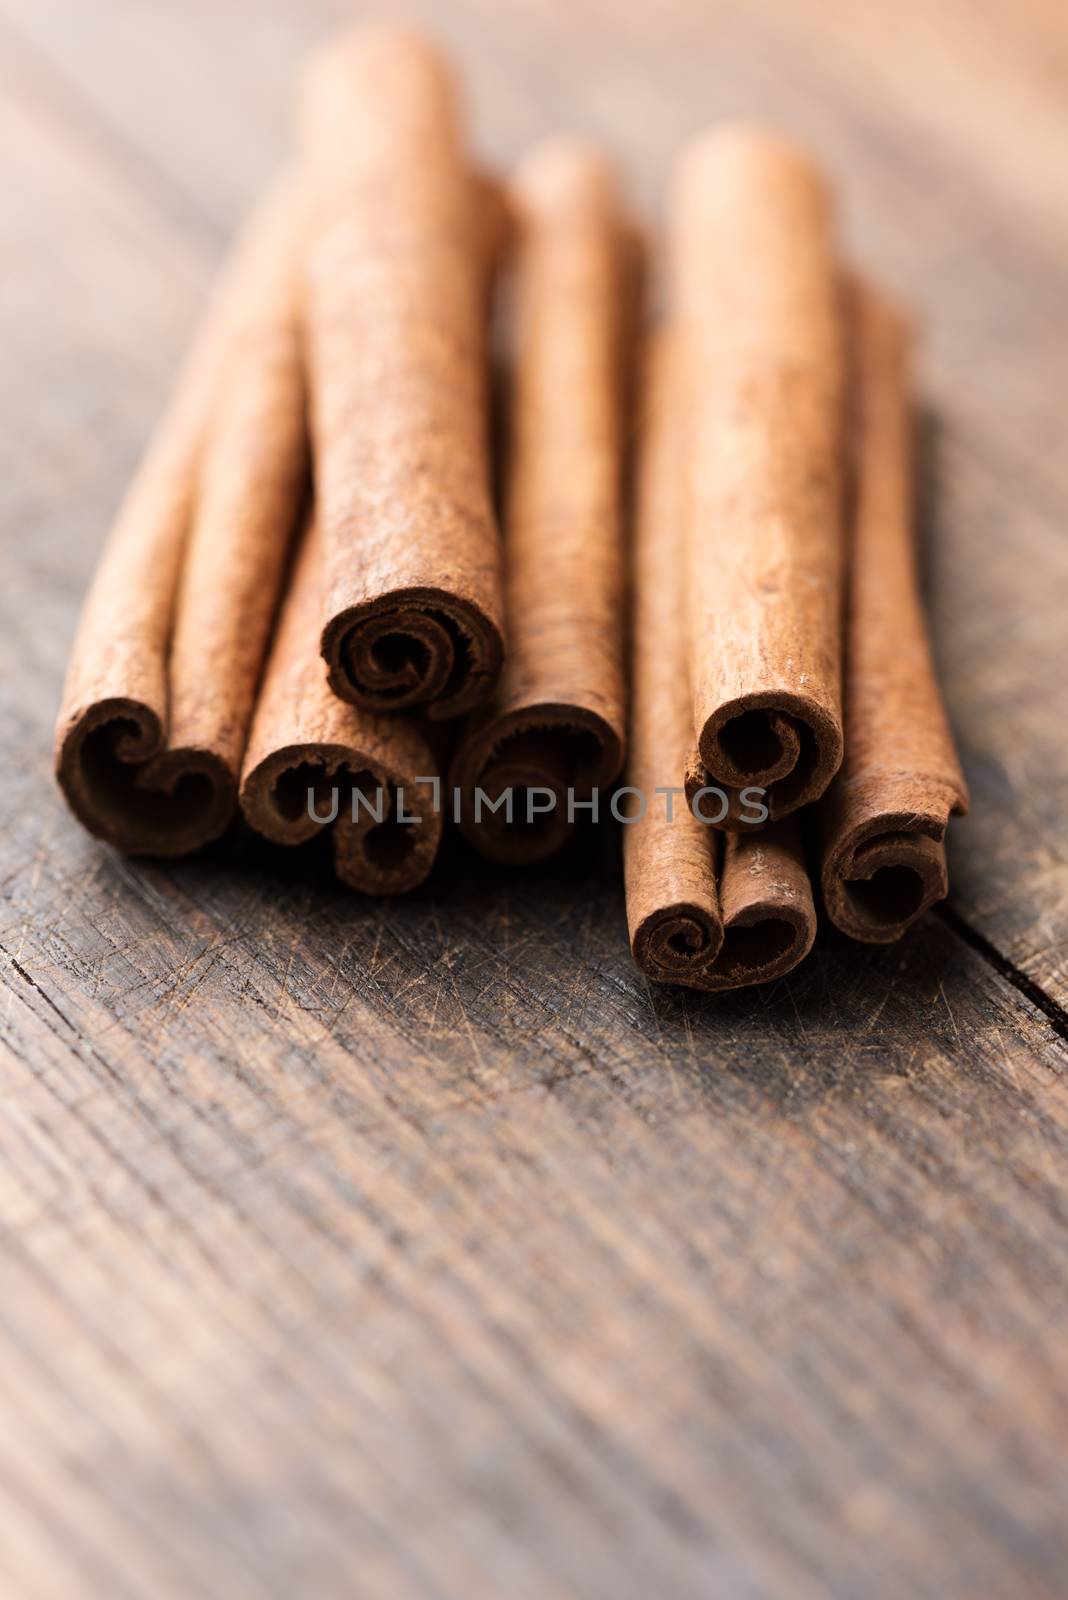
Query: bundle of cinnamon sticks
(336, 597)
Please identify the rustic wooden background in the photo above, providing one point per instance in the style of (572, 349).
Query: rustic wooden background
(419, 1249)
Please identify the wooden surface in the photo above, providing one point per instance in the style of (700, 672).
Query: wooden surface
(419, 1249)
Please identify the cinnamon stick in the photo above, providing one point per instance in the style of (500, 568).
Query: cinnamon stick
(758, 921)
(557, 720)
(883, 821)
(395, 308)
(755, 297)
(172, 635)
(309, 751)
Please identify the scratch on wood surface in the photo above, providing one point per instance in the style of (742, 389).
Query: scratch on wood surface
(26, 924)
(949, 1011)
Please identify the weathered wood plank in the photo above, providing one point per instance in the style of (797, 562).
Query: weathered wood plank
(430, 1223)
(999, 577)
(418, 1248)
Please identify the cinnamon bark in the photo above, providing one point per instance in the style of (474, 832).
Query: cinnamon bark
(172, 636)
(395, 309)
(883, 821)
(305, 739)
(756, 301)
(758, 921)
(557, 721)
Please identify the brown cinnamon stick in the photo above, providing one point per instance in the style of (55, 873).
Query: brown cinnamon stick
(308, 751)
(755, 297)
(883, 821)
(557, 720)
(395, 308)
(759, 920)
(172, 635)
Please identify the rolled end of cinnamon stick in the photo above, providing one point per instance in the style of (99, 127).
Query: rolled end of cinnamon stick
(399, 244)
(669, 858)
(163, 671)
(779, 744)
(883, 820)
(111, 757)
(429, 648)
(385, 827)
(127, 788)
(757, 307)
(752, 918)
(520, 779)
(769, 916)
(315, 762)
(555, 730)
(673, 913)
(677, 943)
(758, 927)
(882, 871)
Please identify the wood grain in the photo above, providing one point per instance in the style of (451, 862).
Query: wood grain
(419, 1249)
(461, 1246)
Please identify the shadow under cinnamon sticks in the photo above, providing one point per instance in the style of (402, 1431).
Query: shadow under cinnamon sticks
(556, 723)
(708, 910)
